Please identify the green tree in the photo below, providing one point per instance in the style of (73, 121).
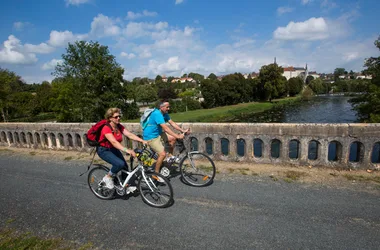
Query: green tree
(96, 78)
(146, 93)
(130, 91)
(272, 81)
(368, 104)
(210, 93)
(338, 72)
(212, 76)
(158, 79)
(352, 75)
(10, 83)
(197, 77)
(294, 86)
(64, 101)
(309, 79)
(317, 86)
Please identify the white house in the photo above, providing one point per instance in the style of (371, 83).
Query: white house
(291, 71)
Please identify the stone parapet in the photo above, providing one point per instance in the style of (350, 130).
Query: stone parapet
(354, 145)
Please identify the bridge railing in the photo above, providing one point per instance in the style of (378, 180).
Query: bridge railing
(332, 145)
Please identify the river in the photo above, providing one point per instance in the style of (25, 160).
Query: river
(323, 109)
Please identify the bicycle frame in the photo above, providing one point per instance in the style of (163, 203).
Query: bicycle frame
(139, 168)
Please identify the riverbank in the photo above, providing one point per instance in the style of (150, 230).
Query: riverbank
(364, 180)
(227, 113)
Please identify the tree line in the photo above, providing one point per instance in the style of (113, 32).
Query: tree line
(89, 81)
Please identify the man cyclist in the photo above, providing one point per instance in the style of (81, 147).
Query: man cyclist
(157, 129)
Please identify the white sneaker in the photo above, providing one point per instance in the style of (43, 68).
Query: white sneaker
(109, 182)
(177, 160)
(172, 159)
(131, 189)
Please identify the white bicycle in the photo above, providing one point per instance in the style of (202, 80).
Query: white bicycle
(154, 188)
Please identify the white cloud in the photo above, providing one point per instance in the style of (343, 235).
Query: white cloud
(76, 2)
(350, 56)
(19, 26)
(188, 31)
(38, 78)
(129, 56)
(312, 29)
(51, 65)
(61, 38)
(135, 30)
(176, 38)
(13, 53)
(304, 2)
(145, 53)
(243, 42)
(328, 5)
(42, 48)
(131, 15)
(178, 1)
(283, 10)
(103, 26)
(166, 67)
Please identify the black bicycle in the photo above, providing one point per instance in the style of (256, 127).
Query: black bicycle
(196, 168)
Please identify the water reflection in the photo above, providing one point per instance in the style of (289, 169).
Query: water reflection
(330, 109)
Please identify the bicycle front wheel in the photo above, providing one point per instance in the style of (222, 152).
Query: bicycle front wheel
(96, 184)
(155, 190)
(197, 169)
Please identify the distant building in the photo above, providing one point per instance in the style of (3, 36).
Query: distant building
(314, 74)
(363, 77)
(290, 72)
(183, 79)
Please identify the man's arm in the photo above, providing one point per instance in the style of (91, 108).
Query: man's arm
(171, 132)
(175, 125)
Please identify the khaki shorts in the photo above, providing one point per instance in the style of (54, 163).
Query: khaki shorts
(157, 145)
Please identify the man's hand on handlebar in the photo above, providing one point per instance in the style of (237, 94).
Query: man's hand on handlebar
(180, 136)
(187, 131)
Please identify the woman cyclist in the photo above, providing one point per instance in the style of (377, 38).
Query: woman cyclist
(110, 145)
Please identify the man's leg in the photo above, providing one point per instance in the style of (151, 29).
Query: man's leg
(170, 140)
(157, 146)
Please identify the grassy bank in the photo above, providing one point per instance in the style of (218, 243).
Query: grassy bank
(14, 240)
(227, 113)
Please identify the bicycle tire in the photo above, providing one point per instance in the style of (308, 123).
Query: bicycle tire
(96, 184)
(197, 169)
(154, 193)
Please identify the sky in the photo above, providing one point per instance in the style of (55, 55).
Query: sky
(174, 37)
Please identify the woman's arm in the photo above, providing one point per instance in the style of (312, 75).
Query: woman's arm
(118, 145)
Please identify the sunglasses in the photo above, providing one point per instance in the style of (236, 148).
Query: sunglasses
(117, 116)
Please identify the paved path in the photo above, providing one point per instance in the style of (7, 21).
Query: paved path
(49, 198)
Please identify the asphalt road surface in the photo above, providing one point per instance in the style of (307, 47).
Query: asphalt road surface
(47, 197)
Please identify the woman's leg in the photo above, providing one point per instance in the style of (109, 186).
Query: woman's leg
(114, 157)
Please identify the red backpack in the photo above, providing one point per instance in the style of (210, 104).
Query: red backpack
(93, 134)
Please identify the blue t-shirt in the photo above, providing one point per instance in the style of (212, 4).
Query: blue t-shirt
(153, 128)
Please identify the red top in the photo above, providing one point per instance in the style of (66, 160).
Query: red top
(107, 130)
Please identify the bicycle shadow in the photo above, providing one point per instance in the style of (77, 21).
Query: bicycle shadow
(136, 194)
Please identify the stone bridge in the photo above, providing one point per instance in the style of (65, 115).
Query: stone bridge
(332, 145)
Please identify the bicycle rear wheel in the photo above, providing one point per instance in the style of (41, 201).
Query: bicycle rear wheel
(153, 192)
(197, 169)
(96, 184)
